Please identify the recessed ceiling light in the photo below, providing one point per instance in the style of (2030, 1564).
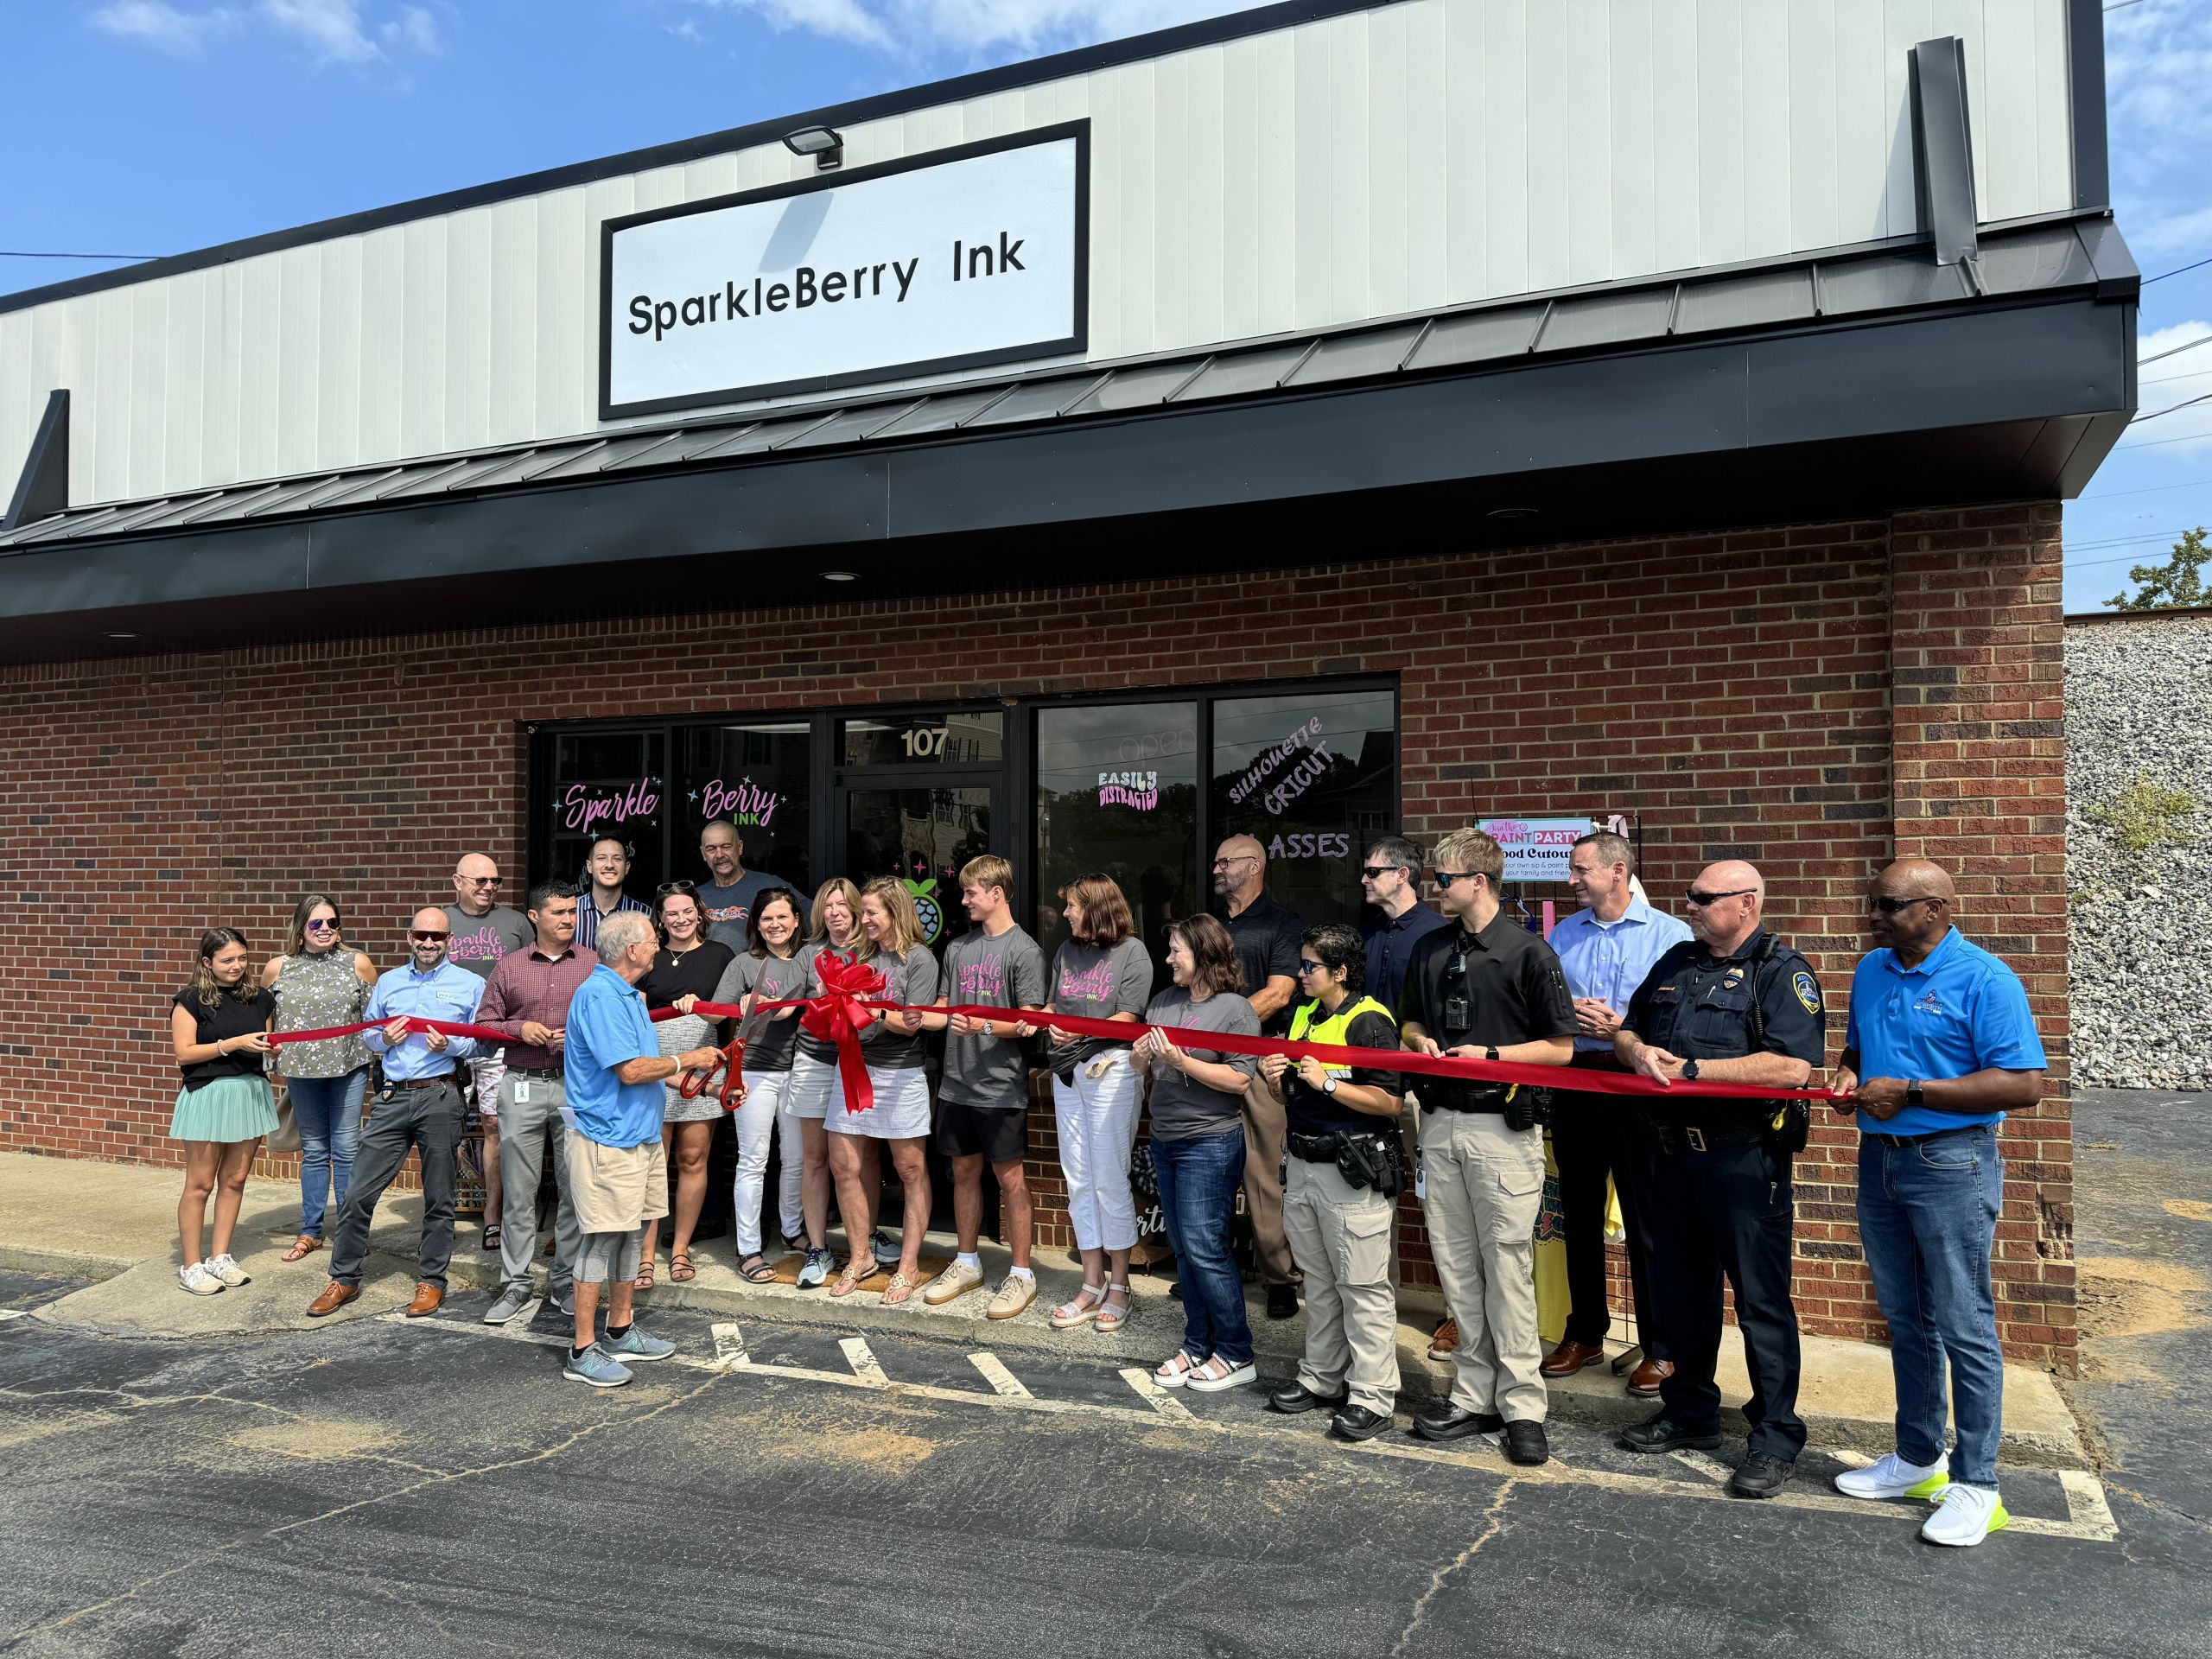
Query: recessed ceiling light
(123, 636)
(840, 575)
(1513, 512)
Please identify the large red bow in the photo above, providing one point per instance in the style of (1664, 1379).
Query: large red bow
(840, 1015)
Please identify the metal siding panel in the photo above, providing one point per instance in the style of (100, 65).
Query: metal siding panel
(511, 412)
(1139, 223)
(149, 380)
(188, 337)
(1765, 137)
(1673, 73)
(2054, 110)
(468, 321)
(1241, 165)
(1544, 67)
(1814, 221)
(221, 309)
(1634, 159)
(20, 406)
(1313, 255)
(1586, 106)
(1904, 25)
(1861, 123)
(299, 348)
(1204, 184)
(1719, 132)
(2004, 125)
(565, 326)
(1349, 221)
(1427, 124)
(260, 367)
(1277, 124)
(1388, 261)
(422, 341)
(1107, 167)
(1466, 170)
(383, 274)
(338, 407)
(1171, 224)
(1505, 232)
(1965, 19)
(107, 423)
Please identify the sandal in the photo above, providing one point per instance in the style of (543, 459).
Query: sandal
(1068, 1315)
(491, 1236)
(858, 1270)
(302, 1247)
(755, 1269)
(898, 1289)
(680, 1267)
(1217, 1374)
(645, 1279)
(1110, 1317)
(1175, 1370)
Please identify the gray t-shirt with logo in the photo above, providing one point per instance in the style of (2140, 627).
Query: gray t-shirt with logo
(1184, 1108)
(912, 981)
(478, 942)
(1095, 982)
(1003, 972)
(770, 1041)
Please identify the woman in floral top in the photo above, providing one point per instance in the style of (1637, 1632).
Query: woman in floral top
(320, 981)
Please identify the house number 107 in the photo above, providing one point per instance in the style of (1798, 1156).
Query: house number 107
(923, 742)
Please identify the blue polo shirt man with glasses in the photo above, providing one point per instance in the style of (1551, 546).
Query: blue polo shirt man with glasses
(1939, 1047)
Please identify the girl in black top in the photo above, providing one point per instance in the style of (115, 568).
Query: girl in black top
(685, 970)
(219, 1026)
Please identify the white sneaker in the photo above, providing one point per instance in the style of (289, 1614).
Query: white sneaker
(955, 1280)
(227, 1270)
(197, 1280)
(1894, 1477)
(1965, 1514)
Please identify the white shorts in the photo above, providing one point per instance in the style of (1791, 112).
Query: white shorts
(901, 1111)
(816, 1091)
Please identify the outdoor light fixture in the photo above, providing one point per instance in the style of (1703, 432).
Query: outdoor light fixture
(825, 144)
(1513, 512)
(840, 575)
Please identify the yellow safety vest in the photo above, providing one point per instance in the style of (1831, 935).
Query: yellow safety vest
(1306, 1025)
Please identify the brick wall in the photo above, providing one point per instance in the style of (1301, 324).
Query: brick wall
(1748, 693)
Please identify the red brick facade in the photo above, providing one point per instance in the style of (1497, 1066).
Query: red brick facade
(1814, 698)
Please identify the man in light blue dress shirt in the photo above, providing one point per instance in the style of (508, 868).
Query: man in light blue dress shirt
(1605, 950)
(419, 1106)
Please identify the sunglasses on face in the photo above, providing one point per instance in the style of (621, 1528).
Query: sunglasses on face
(483, 880)
(1703, 900)
(1305, 967)
(424, 935)
(330, 927)
(1891, 907)
(1376, 872)
(1444, 878)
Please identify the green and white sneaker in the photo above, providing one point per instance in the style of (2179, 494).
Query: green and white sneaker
(634, 1344)
(1965, 1514)
(1893, 1477)
(597, 1367)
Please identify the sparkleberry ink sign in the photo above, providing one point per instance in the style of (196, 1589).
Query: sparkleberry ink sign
(950, 259)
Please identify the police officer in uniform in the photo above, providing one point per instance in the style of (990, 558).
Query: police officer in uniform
(1346, 1170)
(1734, 1004)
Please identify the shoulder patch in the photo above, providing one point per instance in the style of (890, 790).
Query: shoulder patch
(1808, 990)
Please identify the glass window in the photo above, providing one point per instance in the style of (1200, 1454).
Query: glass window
(607, 783)
(754, 776)
(932, 740)
(921, 836)
(1117, 792)
(1314, 775)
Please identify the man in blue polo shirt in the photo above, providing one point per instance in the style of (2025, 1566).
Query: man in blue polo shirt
(1939, 1047)
(617, 1168)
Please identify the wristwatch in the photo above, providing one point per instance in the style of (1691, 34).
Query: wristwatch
(1689, 1071)
(1915, 1094)
(1491, 1053)
(1329, 1085)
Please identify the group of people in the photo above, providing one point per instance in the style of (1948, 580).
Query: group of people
(1939, 1046)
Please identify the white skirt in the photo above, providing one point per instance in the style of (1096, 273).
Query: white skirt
(816, 1090)
(901, 1111)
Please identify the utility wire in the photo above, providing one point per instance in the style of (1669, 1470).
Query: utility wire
(2185, 403)
(2176, 351)
(10, 253)
(2175, 271)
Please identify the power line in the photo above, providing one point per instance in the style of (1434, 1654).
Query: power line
(2153, 443)
(2186, 403)
(2148, 489)
(10, 253)
(2190, 346)
(2175, 271)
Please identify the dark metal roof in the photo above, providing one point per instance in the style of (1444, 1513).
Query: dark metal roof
(1847, 286)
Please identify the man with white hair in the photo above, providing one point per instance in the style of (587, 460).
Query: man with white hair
(1733, 1004)
(617, 1168)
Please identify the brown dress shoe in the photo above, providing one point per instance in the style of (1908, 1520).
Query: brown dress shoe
(334, 1296)
(1644, 1383)
(427, 1299)
(1571, 1356)
(1445, 1340)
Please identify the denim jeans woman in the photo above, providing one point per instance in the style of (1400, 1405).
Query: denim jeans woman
(320, 983)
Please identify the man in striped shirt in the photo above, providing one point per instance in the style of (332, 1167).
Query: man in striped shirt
(608, 867)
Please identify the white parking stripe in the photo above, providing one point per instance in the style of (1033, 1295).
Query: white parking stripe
(8, 1314)
(729, 1347)
(1707, 1465)
(861, 1359)
(1157, 1397)
(995, 1373)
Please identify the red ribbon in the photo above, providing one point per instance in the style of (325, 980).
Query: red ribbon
(450, 1028)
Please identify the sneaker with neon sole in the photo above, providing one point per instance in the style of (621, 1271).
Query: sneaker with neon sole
(1965, 1516)
(1892, 1477)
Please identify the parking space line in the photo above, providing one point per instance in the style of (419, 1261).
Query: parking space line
(8, 1314)
(729, 1346)
(1157, 1397)
(1711, 1467)
(863, 1361)
(995, 1373)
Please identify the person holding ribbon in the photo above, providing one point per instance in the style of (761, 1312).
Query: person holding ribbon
(816, 1089)
(899, 1112)
(320, 981)
(685, 970)
(774, 968)
(419, 1107)
(1346, 1170)
(1198, 1150)
(219, 1026)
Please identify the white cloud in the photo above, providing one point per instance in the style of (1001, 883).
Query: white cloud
(920, 27)
(2158, 64)
(840, 20)
(685, 30)
(332, 28)
(414, 29)
(2176, 380)
(159, 24)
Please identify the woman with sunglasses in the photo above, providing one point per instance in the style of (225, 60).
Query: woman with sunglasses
(685, 970)
(774, 968)
(318, 982)
(219, 1026)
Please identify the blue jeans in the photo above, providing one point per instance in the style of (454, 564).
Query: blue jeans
(1198, 1194)
(1928, 1218)
(329, 1112)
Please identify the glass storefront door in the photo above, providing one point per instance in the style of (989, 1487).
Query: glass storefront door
(920, 834)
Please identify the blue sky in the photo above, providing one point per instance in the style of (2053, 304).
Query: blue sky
(152, 126)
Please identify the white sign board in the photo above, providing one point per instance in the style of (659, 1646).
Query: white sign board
(948, 260)
(1536, 849)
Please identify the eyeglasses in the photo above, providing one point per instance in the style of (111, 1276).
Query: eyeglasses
(1444, 878)
(424, 935)
(1704, 900)
(1891, 907)
(329, 926)
(1376, 872)
(1305, 967)
(482, 880)
(667, 888)
(1224, 863)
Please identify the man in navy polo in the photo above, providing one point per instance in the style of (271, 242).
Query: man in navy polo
(1939, 1047)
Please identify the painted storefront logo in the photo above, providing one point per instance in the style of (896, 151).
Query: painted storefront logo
(1138, 790)
(1288, 770)
(585, 809)
(744, 802)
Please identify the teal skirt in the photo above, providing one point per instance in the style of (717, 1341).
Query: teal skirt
(227, 1109)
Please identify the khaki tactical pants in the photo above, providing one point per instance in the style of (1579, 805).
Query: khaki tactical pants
(1485, 1187)
(1340, 1237)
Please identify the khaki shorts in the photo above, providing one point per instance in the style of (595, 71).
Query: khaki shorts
(615, 1189)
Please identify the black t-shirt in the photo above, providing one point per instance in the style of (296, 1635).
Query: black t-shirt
(1266, 936)
(696, 973)
(1311, 1112)
(229, 1018)
(1492, 989)
(1707, 1008)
